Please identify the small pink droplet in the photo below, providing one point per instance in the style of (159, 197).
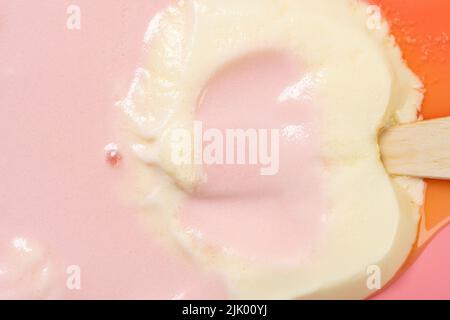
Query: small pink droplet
(113, 156)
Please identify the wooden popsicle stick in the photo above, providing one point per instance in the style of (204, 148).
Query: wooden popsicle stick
(420, 149)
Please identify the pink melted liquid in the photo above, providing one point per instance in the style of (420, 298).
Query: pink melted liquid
(57, 192)
(58, 205)
(271, 218)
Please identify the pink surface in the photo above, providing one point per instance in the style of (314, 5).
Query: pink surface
(58, 88)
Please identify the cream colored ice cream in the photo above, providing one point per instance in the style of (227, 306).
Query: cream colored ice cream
(359, 85)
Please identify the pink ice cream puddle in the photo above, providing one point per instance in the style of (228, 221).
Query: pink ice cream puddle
(276, 219)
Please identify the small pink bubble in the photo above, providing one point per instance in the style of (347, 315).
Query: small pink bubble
(113, 156)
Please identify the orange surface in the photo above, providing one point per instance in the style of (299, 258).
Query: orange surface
(422, 29)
